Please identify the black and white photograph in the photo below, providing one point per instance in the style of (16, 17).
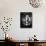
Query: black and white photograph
(26, 19)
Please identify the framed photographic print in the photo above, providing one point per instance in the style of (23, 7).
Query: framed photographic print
(26, 19)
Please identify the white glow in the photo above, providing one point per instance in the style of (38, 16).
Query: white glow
(7, 35)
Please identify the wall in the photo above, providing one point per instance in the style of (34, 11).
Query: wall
(12, 8)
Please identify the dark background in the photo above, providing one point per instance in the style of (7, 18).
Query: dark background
(22, 15)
